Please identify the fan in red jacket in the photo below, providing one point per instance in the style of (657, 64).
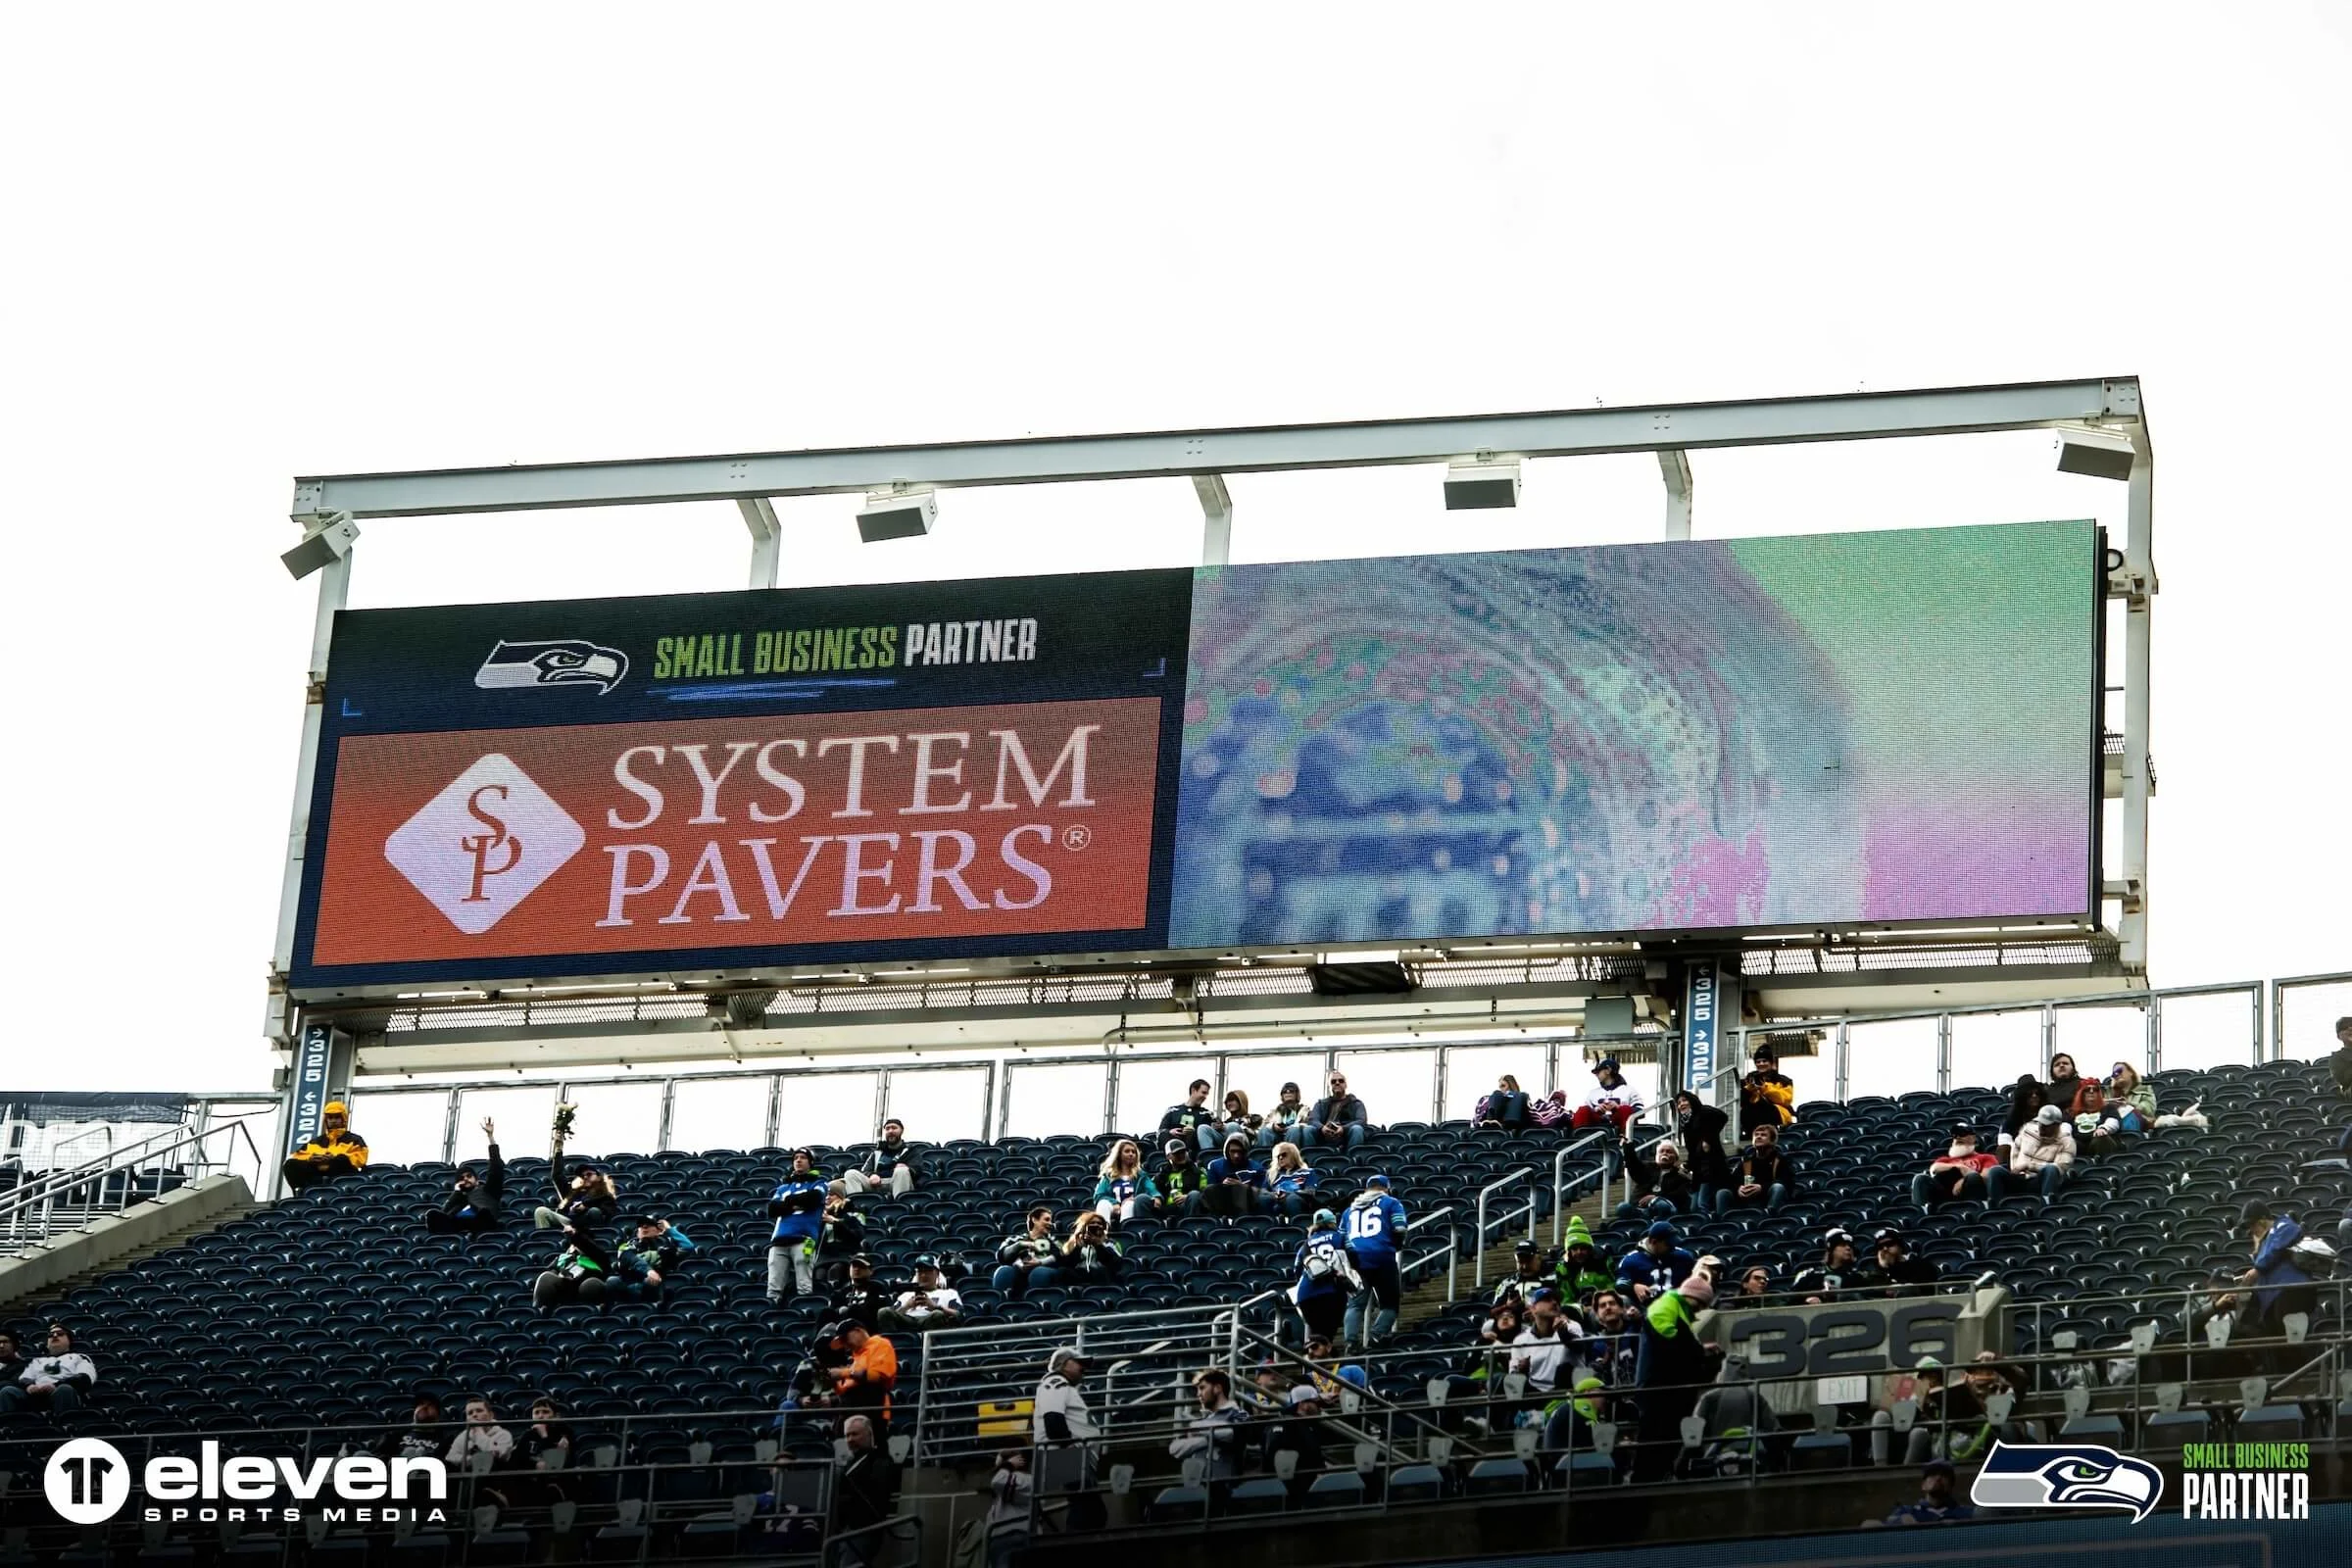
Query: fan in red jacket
(1958, 1172)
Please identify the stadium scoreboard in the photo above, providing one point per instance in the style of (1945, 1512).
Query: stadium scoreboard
(1829, 732)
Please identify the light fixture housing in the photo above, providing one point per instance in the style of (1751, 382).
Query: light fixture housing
(2100, 454)
(896, 514)
(329, 541)
(1474, 486)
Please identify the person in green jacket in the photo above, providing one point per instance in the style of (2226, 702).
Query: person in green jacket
(1673, 1362)
(2130, 1103)
(1578, 1271)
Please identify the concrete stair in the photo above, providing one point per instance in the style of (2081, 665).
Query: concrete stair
(1427, 1298)
(67, 1261)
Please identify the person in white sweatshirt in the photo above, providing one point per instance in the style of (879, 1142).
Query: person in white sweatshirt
(481, 1434)
(1061, 1426)
(2042, 1157)
(1613, 1101)
(57, 1380)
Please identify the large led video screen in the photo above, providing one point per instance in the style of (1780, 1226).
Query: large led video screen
(1822, 732)
(1812, 732)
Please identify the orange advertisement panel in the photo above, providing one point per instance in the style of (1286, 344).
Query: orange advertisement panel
(768, 831)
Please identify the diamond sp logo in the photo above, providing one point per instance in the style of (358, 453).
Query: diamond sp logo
(483, 843)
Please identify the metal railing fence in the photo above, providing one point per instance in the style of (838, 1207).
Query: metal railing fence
(67, 1198)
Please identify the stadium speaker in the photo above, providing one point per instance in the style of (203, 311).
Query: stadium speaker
(1471, 486)
(2101, 454)
(1359, 979)
(742, 1010)
(331, 541)
(896, 514)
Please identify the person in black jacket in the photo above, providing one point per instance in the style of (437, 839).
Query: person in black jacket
(1021, 1254)
(2025, 1099)
(1893, 1271)
(1660, 1184)
(473, 1201)
(888, 1166)
(1090, 1258)
(426, 1437)
(1839, 1269)
(12, 1359)
(1181, 1181)
(58, 1380)
(864, 1498)
(1763, 1174)
(1190, 1118)
(1298, 1429)
(842, 1237)
(860, 1296)
(1698, 1127)
(1338, 1120)
(581, 1211)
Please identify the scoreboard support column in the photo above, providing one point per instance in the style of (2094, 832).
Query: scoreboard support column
(334, 590)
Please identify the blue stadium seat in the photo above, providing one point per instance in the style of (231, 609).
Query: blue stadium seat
(1264, 1494)
(1415, 1483)
(1497, 1477)
(2167, 1433)
(1177, 1505)
(1337, 1489)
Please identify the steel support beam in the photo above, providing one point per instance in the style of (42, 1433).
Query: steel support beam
(1768, 421)
(2139, 601)
(335, 589)
(759, 517)
(1675, 465)
(1217, 510)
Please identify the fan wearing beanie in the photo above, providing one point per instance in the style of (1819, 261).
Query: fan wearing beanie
(2040, 1157)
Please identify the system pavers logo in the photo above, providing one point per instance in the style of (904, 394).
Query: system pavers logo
(485, 843)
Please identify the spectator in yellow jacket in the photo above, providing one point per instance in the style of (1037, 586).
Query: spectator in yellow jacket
(1766, 1097)
(337, 1151)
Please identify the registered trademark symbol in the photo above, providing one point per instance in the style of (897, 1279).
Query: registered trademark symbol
(1077, 837)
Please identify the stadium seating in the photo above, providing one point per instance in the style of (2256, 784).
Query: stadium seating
(335, 1306)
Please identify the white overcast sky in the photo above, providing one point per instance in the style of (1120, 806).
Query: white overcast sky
(239, 243)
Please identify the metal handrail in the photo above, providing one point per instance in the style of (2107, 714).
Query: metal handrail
(45, 1193)
(1451, 1251)
(989, 1352)
(1477, 1276)
(1561, 1187)
(71, 1176)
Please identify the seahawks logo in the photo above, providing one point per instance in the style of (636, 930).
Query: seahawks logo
(2021, 1475)
(553, 664)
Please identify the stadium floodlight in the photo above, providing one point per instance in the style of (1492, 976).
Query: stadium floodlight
(896, 514)
(1471, 485)
(2101, 454)
(329, 541)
